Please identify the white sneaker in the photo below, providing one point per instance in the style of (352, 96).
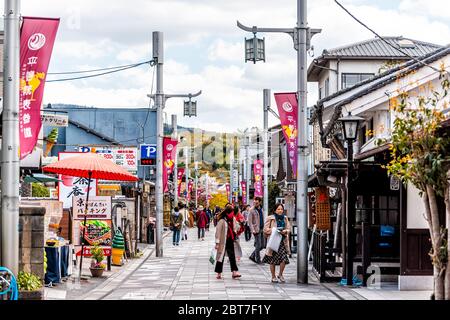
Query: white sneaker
(281, 278)
(274, 280)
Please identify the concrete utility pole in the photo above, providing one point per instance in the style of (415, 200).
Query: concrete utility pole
(231, 174)
(10, 175)
(266, 106)
(160, 100)
(248, 170)
(301, 35)
(175, 167)
(186, 171)
(196, 183)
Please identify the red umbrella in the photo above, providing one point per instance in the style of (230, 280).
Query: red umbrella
(91, 166)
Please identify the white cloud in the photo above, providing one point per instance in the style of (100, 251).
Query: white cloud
(204, 49)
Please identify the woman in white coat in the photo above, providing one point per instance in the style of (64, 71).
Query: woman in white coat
(224, 239)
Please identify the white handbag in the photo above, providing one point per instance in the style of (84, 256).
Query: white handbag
(275, 239)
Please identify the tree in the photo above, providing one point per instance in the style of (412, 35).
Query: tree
(218, 200)
(420, 152)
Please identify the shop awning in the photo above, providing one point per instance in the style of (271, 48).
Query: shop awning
(39, 177)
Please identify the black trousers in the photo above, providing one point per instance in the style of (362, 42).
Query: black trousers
(247, 233)
(229, 248)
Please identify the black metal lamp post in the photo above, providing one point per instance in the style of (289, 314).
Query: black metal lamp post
(350, 125)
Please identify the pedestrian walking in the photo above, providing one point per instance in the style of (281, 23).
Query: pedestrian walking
(176, 221)
(209, 216)
(185, 224)
(191, 218)
(247, 232)
(256, 223)
(239, 229)
(224, 240)
(279, 258)
(201, 222)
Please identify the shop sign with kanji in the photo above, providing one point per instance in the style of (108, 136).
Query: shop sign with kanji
(99, 207)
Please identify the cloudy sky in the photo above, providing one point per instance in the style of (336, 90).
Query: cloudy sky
(205, 50)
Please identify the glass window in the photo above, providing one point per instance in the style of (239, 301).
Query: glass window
(350, 79)
(327, 87)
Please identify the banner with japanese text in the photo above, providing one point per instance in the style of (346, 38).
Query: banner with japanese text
(244, 192)
(36, 45)
(258, 171)
(288, 111)
(169, 151)
(179, 179)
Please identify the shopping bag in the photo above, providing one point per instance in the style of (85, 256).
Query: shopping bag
(274, 240)
(212, 257)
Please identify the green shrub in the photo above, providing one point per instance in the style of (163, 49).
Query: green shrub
(39, 190)
(28, 281)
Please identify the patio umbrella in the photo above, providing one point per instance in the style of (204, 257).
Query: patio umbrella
(90, 166)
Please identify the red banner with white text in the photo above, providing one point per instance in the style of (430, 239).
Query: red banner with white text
(179, 179)
(288, 111)
(189, 190)
(258, 170)
(244, 192)
(169, 151)
(36, 45)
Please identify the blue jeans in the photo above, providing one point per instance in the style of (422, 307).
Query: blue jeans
(176, 236)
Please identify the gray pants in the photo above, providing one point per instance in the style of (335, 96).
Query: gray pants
(259, 244)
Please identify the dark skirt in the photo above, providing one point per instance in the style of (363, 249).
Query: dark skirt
(277, 257)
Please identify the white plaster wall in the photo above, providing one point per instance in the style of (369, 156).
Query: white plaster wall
(415, 209)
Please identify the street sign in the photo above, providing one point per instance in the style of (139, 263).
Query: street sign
(148, 154)
(54, 120)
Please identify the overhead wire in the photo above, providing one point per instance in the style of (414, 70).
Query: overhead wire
(99, 69)
(103, 73)
(384, 40)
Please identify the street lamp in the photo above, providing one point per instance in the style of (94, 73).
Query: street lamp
(350, 125)
(190, 108)
(255, 49)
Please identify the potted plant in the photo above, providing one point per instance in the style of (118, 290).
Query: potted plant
(97, 266)
(30, 286)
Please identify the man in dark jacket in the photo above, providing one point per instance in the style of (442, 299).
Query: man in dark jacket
(256, 224)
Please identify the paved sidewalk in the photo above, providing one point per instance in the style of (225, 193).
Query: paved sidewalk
(185, 273)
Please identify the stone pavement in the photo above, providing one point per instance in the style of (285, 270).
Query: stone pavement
(185, 273)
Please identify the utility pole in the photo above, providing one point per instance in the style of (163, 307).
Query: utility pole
(301, 34)
(266, 106)
(175, 167)
(9, 219)
(160, 100)
(196, 183)
(186, 172)
(248, 169)
(231, 174)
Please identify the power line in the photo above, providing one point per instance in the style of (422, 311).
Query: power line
(384, 40)
(101, 74)
(100, 69)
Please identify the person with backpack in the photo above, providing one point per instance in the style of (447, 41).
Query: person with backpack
(176, 221)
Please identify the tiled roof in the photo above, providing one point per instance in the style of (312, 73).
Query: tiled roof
(378, 48)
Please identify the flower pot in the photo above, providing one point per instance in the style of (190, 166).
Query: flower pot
(96, 272)
(31, 295)
(117, 256)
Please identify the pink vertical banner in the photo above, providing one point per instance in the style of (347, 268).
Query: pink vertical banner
(258, 171)
(244, 192)
(169, 151)
(36, 44)
(227, 186)
(179, 179)
(288, 111)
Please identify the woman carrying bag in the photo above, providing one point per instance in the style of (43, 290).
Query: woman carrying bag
(280, 222)
(176, 220)
(224, 240)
